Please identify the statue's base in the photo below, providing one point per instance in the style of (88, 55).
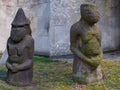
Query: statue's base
(83, 74)
(22, 78)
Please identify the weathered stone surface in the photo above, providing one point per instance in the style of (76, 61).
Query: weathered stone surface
(85, 44)
(20, 47)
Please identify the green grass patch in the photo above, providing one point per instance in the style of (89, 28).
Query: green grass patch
(43, 60)
(57, 75)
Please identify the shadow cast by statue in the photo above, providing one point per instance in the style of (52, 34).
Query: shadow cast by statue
(3, 75)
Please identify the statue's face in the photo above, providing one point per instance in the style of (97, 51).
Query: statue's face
(18, 33)
(90, 15)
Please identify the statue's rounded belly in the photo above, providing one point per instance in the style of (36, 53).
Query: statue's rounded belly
(91, 48)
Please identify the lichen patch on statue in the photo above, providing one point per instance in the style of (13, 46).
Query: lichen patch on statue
(20, 46)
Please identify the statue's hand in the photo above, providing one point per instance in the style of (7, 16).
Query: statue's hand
(95, 62)
(9, 66)
(15, 67)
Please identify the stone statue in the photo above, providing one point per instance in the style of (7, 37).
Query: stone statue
(20, 46)
(85, 39)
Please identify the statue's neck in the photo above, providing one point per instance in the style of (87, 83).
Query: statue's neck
(87, 23)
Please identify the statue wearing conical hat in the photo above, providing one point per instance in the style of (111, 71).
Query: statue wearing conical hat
(20, 46)
(85, 39)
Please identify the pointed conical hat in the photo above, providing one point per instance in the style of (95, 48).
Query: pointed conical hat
(20, 18)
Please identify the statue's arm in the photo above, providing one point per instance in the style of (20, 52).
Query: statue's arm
(28, 63)
(81, 56)
(73, 46)
(9, 65)
(98, 35)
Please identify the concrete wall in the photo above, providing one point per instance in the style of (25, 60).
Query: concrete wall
(63, 14)
(109, 23)
(66, 12)
(51, 21)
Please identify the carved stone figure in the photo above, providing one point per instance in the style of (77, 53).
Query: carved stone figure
(20, 46)
(85, 39)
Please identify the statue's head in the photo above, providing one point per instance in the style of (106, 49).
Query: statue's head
(20, 26)
(89, 13)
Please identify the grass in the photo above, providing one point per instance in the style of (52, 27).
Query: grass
(56, 75)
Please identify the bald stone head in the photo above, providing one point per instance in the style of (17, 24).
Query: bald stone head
(89, 13)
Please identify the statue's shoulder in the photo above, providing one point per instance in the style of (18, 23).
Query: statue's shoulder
(9, 40)
(75, 26)
(29, 39)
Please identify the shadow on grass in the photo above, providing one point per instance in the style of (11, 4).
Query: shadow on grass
(3, 75)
